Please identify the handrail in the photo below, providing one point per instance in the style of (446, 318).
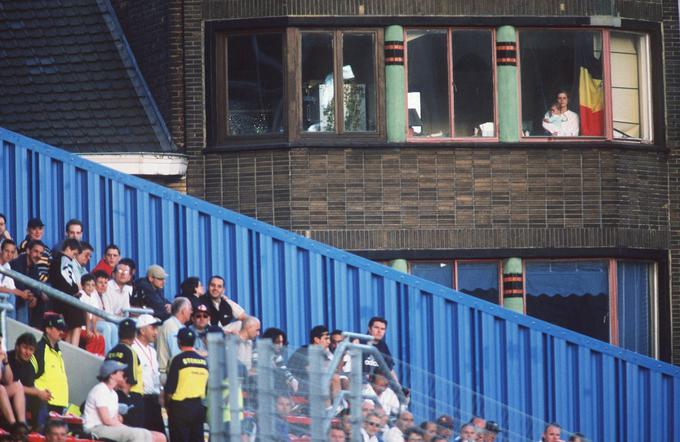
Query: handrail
(59, 295)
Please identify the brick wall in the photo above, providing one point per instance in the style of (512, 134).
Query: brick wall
(153, 29)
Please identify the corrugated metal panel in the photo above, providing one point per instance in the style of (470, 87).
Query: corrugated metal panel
(469, 356)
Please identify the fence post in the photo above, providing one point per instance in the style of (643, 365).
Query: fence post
(265, 396)
(355, 393)
(234, 384)
(215, 384)
(317, 392)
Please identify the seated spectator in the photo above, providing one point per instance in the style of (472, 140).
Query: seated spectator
(91, 340)
(370, 428)
(430, 429)
(467, 433)
(479, 423)
(282, 375)
(299, 360)
(200, 321)
(63, 278)
(378, 386)
(192, 289)
(491, 431)
(552, 433)
(148, 292)
(101, 417)
(83, 260)
(22, 369)
(12, 399)
(48, 364)
(396, 433)
(282, 406)
(223, 311)
(413, 434)
(4, 233)
(30, 310)
(35, 230)
(108, 329)
(8, 249)
(109, 261)
(73, 230)
(445, 426)
(117, 296)
(577, 437)
(133, 267)
(56, 431)
(250, 330)
(336, 434)
(167, 334)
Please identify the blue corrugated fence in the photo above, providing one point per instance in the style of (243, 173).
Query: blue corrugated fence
(499, 360)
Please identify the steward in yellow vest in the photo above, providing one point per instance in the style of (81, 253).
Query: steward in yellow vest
(48, 364)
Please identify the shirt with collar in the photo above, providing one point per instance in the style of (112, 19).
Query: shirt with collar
(149, 360)
(116, 298)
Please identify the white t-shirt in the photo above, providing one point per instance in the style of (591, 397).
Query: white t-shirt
(394, 434)
(6, 281)
(100, 396)
(388, 399)
(92, 299)
(115, 299)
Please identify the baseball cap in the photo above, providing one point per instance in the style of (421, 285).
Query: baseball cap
(127, 326)
(200, 308)
(109, 367)
(186, 337)
(35, 222)
(147, 319)
(55, 320)
(156, 271)
(492, 427)
(445, 421)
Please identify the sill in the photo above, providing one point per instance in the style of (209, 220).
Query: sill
(335, 142)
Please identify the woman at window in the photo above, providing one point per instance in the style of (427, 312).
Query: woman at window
(569, 123)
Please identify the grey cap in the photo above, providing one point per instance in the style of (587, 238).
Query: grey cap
(109, 367)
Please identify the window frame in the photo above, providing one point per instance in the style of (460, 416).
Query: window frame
(295, 83)
(449, 62)
(607, 80)
(221, 107)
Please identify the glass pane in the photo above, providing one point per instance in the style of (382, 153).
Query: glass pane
(571, 294)
(439, 272)
(473, 91)
(633, 306)
(428, 84)
(358, 76)
(255, 84)
(630, 94)
(562, 91)
(479, 279)
(318, 102)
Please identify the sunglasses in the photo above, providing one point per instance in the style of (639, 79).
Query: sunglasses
(373, 424)
(201, 315)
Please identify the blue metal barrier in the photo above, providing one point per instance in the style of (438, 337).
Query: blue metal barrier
(294, 283)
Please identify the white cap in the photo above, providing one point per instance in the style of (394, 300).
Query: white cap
(147, 319)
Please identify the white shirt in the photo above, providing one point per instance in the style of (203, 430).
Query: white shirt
(92, 299)
(149, 360)
(115, 299)
(100, 396)
(244, 353)
(388, 399)
(6, 281)
(368, 438)
(569, 126)
(394, 434)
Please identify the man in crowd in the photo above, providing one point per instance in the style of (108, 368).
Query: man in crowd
(28, 263)
(222, 309)
(250, 329)
(299, 361)
(414, 434)
(167, 339)
(17, 297)
(467, 433)
(396, 433)
(200, 323)
(377, 327)
(20, 361)
(109, 261)
(551, 433)
(56, 431)
(35, 230)
(378, 385)
(445, 426)
(185, 390)
(133, 390)
(148, 292)
(117, 296)
(73, 230)
(147, 332)
(48, 364)
(336, 433)
(371, 426)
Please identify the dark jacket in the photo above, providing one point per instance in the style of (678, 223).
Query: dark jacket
(146, 295)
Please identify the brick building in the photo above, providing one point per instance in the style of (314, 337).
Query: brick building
(448, 161)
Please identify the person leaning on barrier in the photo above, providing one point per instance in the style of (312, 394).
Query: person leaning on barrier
(17, 297)
(101, 415)
(20, 361)
(62, 277)
(116, 298)
(48, 364)
(131, 392)
(223, 311)
(30, 310)
(185, 390)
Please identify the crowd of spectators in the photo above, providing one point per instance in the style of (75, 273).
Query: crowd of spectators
(159, 360)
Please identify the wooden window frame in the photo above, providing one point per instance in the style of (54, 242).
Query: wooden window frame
(449, 62)
(295, 83)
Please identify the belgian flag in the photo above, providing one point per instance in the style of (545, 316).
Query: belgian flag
(590, 90)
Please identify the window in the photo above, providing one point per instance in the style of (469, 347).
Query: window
(635, 309)
(439, 272)
(479, 279)
(450, 83)
(562, 83)
(254, 85)
(325, 57)
(631, 98)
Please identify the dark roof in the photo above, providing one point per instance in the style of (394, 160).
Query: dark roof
(68, 78)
